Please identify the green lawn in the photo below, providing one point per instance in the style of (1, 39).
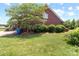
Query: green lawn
(1, 29)
(46, 44)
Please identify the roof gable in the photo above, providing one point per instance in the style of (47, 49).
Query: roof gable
(52, 16)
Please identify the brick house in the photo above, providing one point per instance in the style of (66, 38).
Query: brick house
(52, 17)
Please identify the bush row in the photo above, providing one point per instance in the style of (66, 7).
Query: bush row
(50, 28)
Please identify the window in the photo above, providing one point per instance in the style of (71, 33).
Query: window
(45, 16)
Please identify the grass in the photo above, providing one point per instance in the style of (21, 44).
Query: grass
(1, 29)
(46, 44)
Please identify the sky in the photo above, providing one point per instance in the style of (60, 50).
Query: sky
(64, 10)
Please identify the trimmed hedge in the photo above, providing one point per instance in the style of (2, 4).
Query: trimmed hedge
(39, 28)
(51, 28)
(59, 28)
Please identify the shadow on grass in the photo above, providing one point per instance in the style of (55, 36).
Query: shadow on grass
(23, 36)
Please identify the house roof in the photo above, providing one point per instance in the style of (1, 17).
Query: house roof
(48, 8)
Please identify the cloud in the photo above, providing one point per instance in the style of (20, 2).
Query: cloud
(8, 4)
(77, 7)
(70, 8)
(63, 7)
(70, 14)
(59, 11)
(48, 3)
(1, 21)
(61, 3)
(26, 1)
(0, 18)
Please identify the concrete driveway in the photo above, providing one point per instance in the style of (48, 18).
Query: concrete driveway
(4, 33)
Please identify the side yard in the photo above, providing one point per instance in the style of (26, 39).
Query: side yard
(50, 44)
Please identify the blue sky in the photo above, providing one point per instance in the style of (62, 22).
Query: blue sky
(64, 10)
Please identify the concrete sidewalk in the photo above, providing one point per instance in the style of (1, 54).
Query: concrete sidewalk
(4, 33)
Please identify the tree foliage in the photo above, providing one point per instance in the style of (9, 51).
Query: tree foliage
(67, 24)
(24, 12)
(71, 24)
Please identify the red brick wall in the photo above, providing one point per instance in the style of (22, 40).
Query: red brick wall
(52, 18)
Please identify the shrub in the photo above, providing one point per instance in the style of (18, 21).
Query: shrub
(73, 36)
(44, 27)
(59, 28)
(39, 28)
(51, 28)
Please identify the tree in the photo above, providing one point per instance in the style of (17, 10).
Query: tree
(67, 24)
(26, 12)
(70, 24)
(77, 23)
(73, 24)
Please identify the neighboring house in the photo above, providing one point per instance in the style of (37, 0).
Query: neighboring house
(51, 17)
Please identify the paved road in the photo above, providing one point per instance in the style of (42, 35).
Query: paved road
(4, 33)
